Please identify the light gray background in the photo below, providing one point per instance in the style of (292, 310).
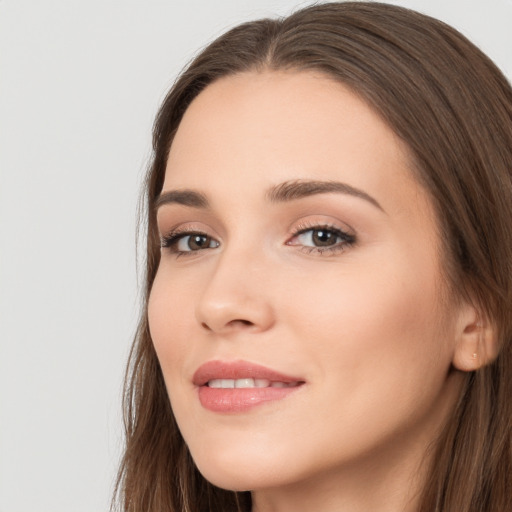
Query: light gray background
(80, 82)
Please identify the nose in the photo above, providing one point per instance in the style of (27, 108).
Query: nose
(236, 297)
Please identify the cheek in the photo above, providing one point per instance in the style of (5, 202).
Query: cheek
(360, 300)
(376, 329)
(169, 314)
(379, 357)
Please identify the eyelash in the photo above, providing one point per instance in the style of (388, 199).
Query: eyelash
(171, 241)
(347, 239)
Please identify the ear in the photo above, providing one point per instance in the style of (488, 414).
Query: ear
(477, 343)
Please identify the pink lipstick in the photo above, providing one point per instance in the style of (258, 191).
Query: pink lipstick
(237, 386)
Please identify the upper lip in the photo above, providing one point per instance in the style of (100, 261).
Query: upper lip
(238, 370)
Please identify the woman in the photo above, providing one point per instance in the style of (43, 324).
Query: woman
(329, 274)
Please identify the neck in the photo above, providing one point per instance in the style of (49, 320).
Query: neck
(369, 486)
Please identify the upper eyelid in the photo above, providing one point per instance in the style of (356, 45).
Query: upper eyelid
(302, 227)
(307, 225)
(182, 233)
(186, 228)
(295, 227)
(175, 235)
(327, 227)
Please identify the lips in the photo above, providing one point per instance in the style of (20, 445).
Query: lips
(238, 386)
(234, 370)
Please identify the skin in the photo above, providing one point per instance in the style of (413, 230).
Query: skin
(363, 324)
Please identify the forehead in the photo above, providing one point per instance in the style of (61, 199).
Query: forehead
(263, 128)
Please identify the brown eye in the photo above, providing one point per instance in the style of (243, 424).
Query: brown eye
(320, 237)
(324, 237)
(189, 242)
(196, 242)
(322, 240)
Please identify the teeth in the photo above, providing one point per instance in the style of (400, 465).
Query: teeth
(244, 383)
(248, 383)
(221, 383)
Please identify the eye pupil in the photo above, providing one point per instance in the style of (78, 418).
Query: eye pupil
(322, 237)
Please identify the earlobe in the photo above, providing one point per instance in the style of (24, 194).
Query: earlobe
(477, 344)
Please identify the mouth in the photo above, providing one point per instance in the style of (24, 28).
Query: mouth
(238, 386)
(247, 383)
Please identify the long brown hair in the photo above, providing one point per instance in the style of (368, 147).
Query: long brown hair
(453, 108)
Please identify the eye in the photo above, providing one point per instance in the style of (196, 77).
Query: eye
(322, 240)
(187, 242)
(319, 237)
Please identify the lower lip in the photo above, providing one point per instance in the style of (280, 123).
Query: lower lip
(240, 399)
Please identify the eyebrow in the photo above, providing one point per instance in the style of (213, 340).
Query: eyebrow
(298, 189)
(185, 197)
(284, 192)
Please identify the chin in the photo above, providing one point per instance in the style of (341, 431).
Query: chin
(233, 478)
(241, 470)
(231, 481)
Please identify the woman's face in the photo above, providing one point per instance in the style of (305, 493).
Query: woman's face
(301, 264)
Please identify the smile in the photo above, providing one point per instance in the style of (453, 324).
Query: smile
(238, 386)
(248, 383)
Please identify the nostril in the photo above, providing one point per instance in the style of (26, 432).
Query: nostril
(247, 323)
(232, 323)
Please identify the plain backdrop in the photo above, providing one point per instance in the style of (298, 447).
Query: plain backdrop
(80, 82)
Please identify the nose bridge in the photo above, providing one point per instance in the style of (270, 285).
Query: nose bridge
(236, 295)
